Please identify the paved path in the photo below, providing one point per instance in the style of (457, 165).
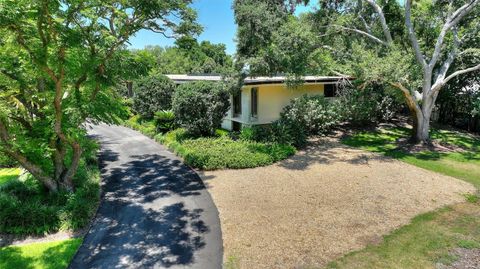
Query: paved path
(155, 211)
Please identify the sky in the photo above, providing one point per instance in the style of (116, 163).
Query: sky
(216, 17)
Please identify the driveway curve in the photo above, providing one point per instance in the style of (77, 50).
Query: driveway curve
(155, 212)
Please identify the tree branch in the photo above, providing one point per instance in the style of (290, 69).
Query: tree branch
(460, 72)
(383, 22)
(412, 35)
(372, 37)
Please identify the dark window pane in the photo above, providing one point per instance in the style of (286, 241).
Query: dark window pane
(254, 100)
(330, 90)
(237, 104)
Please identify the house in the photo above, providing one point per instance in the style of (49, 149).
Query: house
(262, 99)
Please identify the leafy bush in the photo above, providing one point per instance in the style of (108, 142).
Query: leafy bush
(281, 132)
(367, 106)
(146, 127)
(223, 152)
(164, 120)
(27, 208)
(314, 114)
(201, 106)
(152, 94)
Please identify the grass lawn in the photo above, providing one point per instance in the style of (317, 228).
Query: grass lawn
(7, 174)
(463, 165)
(50, 255)
(430, 238)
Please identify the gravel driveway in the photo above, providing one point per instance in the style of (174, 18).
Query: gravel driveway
(320, 204)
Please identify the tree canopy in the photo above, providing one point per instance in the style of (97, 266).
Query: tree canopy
(59, 60)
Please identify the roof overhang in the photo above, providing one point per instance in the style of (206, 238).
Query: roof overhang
(179, 79)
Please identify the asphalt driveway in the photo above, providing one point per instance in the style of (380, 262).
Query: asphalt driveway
(155, 211)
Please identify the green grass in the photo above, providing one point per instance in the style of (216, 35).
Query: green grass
(8, 174)
(430, 237)
(220, 152)
(464, 165)
(423, 243)
(50, 255)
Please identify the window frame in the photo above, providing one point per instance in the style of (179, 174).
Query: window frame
(237, 104)
(254, 102)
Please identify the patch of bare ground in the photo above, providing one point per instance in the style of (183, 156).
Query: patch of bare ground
(466, 259)
(12, 239)
(320, 204)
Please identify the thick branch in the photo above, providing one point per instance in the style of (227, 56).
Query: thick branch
(460, 72)
(412, 35)
(379, 11)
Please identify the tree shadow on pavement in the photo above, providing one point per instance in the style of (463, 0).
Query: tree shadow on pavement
(140, 222)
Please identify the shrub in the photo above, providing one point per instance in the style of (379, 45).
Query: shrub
(146, 127)
(201, 106)
(27, 208)
(152, 94)
(367, 106)
(281, 132)
(223, 152)
(164, 121)
(314, 114)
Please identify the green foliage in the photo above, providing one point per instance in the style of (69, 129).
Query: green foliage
(6, 161)
(146, 127)
(367, 106)
(152, 94)
(49, 255)
(27, 208)
(201, 106)
(59, 62)
(315, 114)
(165, 121)
(280, 132)
(223, 152)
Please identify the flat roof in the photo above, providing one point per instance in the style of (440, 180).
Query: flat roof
(252, 80)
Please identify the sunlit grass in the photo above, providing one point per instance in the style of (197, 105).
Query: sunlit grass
(423, 243)
(429, 238)
(464, 165)
(50, 255)
(7, 174)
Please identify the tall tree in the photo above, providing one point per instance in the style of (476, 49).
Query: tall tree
(58, 63)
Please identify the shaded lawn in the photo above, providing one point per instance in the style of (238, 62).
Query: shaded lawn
(50, 255)
(464, 165)
(429, 238)
(8, 174)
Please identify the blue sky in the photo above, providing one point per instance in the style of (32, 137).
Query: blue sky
(216, 17)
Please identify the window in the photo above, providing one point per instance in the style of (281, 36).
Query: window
(254, 100)
(237, 104)
(330, 90)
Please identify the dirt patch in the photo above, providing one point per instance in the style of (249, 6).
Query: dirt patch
(320, 204)
(467, 259)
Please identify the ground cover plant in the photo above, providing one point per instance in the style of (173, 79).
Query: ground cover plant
(49, 255)
(28, 208)
(222, 151)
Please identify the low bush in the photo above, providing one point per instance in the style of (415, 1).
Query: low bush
(211, 153)
(146, 127)
(280, 132)
(164, 121)
(152, 94)
(27, 208)
(199, 107)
